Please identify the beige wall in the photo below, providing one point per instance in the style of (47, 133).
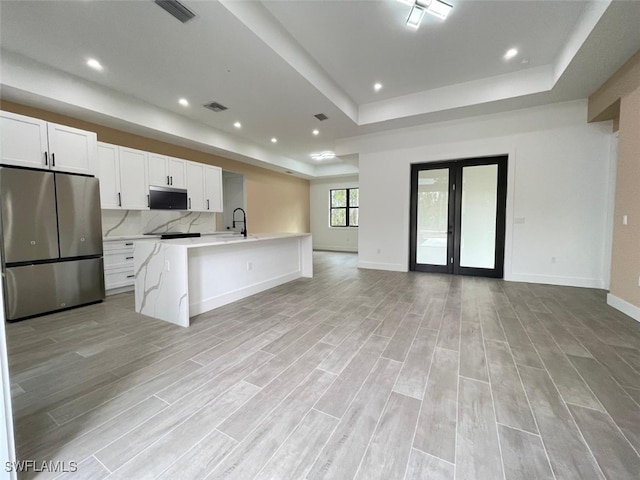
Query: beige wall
(625, 261)
(275, 202)
(619, 99)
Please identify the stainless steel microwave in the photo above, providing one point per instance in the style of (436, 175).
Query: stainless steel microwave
(167, 198)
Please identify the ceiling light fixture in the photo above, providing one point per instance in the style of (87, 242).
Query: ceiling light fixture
(415, 16)
(274, 140)
(327, 155)
(437, 8)
(184, 102)
(95, 64)
(512, 52)
(237, 125)
(377, 87)
(316, 132)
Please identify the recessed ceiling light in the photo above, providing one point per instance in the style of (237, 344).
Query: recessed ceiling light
(316, 132)
(439, 9)
(274, 140)
(377, 87)
(95, 64)
(512, 52)
(237, 125)
(327, 155)
(415, 16)
(184, 102)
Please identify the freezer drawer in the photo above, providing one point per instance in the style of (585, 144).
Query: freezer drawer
(79, 216)
(36, 289)
(28, 215)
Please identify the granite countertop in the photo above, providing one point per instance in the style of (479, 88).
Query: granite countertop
(195, 242)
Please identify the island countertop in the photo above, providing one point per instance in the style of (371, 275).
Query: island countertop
(176, 279)
(222, 239)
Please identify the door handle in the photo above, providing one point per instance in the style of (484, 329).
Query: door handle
(189, 203)
(46, 159)
(119, 199)
(171, 177)
(450, 229)
(53, 159)
(207, 204)
(168, 180)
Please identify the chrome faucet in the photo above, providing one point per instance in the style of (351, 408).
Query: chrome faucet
(244, 221)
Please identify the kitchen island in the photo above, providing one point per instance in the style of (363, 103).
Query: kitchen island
(178, 279)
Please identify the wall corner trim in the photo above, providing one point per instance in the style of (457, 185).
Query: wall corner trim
(624, 306)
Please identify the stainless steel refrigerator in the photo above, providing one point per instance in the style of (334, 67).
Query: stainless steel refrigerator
(51, 241)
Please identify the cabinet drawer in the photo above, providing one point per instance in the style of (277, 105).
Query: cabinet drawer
(118, 278)
(118, 245)
(119, 258)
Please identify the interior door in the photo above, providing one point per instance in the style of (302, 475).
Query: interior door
(458, 216)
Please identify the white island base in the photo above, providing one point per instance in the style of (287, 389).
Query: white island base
(178, 279)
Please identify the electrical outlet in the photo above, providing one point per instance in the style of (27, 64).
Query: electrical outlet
(379, 250)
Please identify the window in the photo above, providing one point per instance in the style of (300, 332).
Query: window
(343, 211)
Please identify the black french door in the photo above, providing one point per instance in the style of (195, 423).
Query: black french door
(458, 216)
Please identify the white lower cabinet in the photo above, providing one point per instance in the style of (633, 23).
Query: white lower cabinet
(118, 266)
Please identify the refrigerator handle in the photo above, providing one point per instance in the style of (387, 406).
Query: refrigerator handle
(53, 159)
(46, 159)
(119, 199)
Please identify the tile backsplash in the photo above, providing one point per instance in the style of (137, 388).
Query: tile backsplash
(116, 223)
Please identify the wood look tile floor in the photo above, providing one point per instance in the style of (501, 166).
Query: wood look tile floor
(354, 374)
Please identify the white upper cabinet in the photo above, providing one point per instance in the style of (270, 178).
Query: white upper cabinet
(29, 142)
(71, 150)
(195, 187)
(109, 175)
(213, 188)
(134, 186)
(123, 178)
(177, 172)
(167, 171)
(158, 173)
(23, 141)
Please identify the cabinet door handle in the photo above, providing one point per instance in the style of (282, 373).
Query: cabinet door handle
(128, 258)
(168, 180)
(130, 276)
(171, 180)
(128, 245)
(207, 204)
(119, 199)
(189, 203)
(53, 159)
(148, 201)
(46, 159)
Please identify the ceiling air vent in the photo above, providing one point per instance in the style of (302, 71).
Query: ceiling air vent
(176, 9)
(215, 106)
(321, 116)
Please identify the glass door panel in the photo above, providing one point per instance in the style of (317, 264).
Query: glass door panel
(478, 216)
(432, 217)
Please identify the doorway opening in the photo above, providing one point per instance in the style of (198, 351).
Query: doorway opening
(458, 213)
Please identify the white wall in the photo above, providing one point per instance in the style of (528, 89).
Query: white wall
(7, 450)
(558, 189)
(344, 239)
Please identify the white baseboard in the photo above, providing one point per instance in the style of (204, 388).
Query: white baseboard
(226, 298)
(391, 267)
(624, 306)
(557, 280)
(334, 248)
